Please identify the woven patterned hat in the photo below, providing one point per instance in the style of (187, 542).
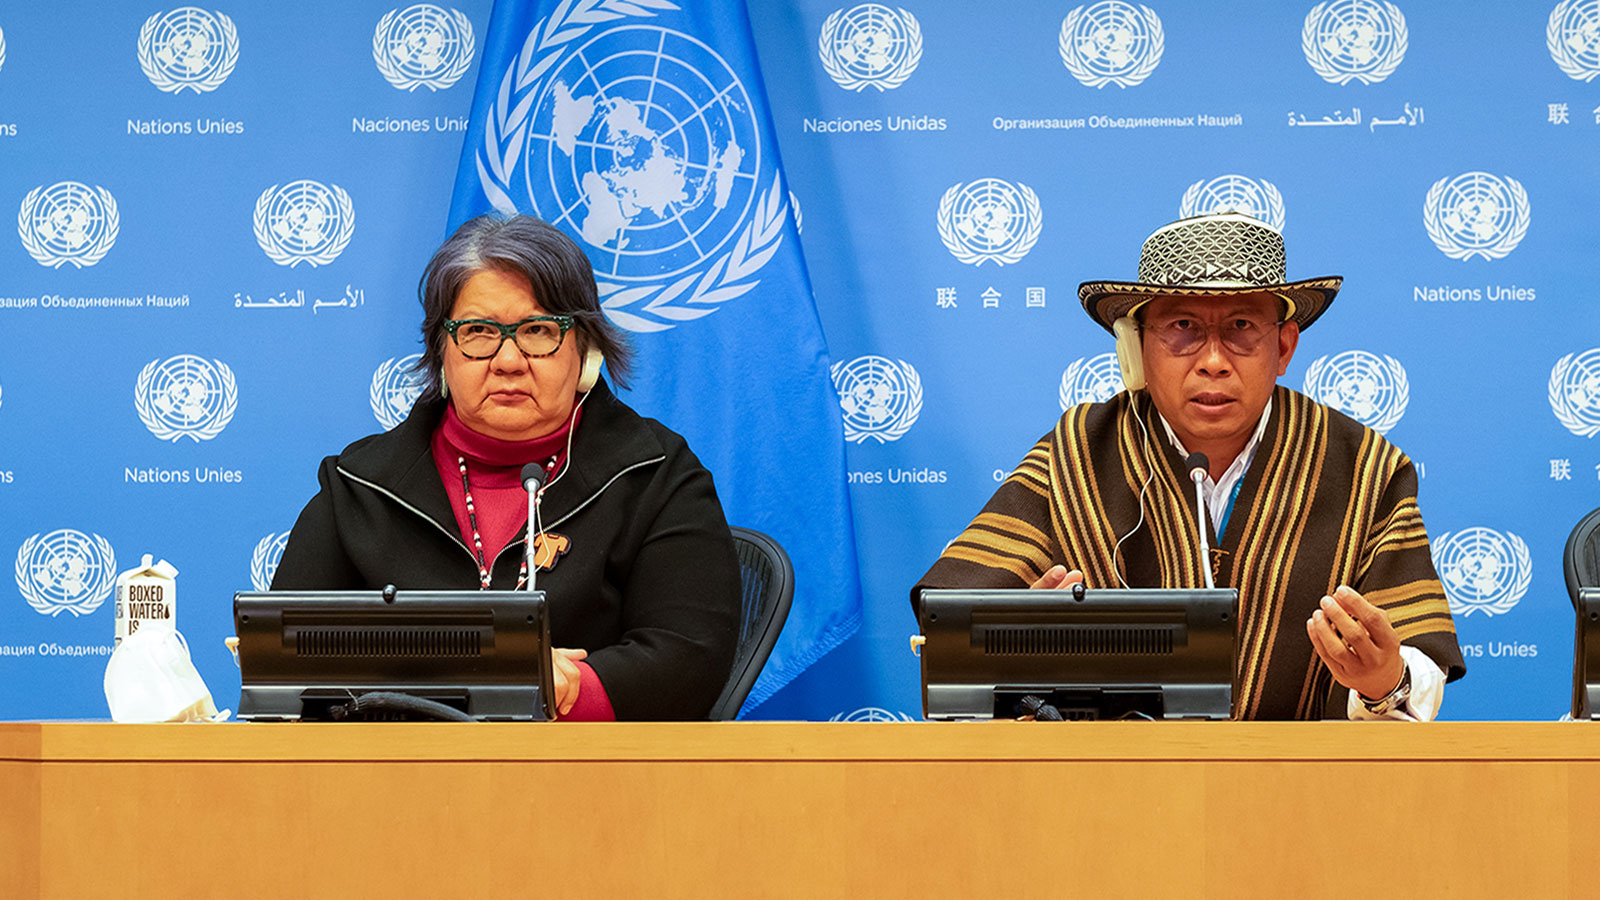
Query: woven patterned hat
(1221, 254)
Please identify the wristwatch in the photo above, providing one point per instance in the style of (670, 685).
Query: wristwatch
(1392, 700)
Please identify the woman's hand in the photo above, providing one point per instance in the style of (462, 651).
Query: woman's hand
(564, 663)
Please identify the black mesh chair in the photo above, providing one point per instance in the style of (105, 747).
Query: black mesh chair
(1581, 562)
(768, 578)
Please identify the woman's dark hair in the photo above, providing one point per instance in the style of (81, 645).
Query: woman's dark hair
(557, 269)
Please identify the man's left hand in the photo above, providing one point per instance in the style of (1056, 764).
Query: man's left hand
(1357, 643)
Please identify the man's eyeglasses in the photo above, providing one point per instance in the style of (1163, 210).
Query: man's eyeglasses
(1185, 337)
(483, 338)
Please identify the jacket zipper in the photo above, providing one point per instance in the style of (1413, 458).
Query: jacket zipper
(404, 505)
(456, 539)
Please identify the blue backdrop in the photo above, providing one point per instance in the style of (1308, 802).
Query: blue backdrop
(223, 212)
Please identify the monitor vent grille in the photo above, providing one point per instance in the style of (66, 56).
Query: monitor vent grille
(389, 642)
(1078, 640)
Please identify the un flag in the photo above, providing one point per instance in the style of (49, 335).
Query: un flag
(642, 130)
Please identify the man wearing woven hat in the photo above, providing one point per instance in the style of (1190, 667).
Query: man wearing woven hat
(1312, 516)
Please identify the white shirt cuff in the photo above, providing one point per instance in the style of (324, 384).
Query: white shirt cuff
(1427, 692)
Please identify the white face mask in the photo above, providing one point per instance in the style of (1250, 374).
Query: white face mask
(150, 678)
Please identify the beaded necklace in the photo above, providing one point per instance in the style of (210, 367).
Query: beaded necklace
(477, 539)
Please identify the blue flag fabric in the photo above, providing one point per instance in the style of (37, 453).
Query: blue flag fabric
(641, 128)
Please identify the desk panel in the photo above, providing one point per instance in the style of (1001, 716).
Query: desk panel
(764, 809)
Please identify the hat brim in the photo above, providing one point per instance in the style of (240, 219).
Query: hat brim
(1108, 301)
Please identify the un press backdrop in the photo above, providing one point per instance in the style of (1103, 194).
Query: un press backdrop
(222, 213)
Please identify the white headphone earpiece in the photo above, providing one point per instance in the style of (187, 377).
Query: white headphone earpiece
(1130, 353)
(592, 361)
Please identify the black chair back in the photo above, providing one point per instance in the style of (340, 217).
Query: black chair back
(1581, 563)
(768, 578)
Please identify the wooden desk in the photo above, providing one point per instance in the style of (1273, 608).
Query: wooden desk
(1004, 809)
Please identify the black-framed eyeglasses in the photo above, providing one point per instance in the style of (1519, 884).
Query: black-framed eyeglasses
(1239, 335)
(534, 336)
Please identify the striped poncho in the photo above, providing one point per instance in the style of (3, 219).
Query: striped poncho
(1325, 502)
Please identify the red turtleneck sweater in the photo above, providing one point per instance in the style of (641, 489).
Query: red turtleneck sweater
(494, 472)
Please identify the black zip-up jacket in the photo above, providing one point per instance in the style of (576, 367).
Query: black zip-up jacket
(649, 584)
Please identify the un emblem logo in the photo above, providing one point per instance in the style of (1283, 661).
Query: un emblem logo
(1575, 392)
(396, 384)
(304, 222)
(188, 49)
(1257, 199)
(643, 143)
(1093, 379)
(264, 560)
(186, 396)
(1111, 43)
(1573, 37)
(65, 571)
(1354, 40)
(68, 222)
(870, 714)
(870, 46)
(1369, 388)
(881, 398)
(1476, 214)
(1482, 570)
(423, 46)
(989, 220)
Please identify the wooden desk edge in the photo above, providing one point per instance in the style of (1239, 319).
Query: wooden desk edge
(803, 742)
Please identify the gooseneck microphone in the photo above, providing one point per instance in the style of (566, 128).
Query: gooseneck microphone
(1198, 464)
(533, 476)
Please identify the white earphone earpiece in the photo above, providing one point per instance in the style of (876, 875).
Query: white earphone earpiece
(1130, 353)
(592, 360)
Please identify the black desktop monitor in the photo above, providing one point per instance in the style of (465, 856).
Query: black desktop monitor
(484, 653)
(1090, 654)
(1586, 656)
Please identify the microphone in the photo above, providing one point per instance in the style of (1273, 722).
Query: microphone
(1198, 465)
(533, 476)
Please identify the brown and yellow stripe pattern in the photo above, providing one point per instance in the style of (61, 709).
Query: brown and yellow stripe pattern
(1325, 502)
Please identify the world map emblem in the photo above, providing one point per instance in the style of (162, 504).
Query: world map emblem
(870, 714)
(264, 560)
(1483, 570)
(188, 49)
(870, 45)
(1112, 42)
(1476, 214)
(643, 143)
(186, 396)
(65, 571)
(1575, 392)
(304, 222)
(1258, 199)
(1573, 38)
(881, 398)
(396, 384)
(68, 222)
(989, 220)
(423, 46)
(1354, 40)
(1092, 379)
(1369, 388)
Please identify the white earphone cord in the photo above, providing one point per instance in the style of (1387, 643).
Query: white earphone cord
(1150, 473)
(536, 527)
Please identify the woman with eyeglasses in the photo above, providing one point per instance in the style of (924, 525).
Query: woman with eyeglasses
(631, 547)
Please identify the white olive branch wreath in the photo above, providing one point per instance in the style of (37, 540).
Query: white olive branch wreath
(214, 79)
